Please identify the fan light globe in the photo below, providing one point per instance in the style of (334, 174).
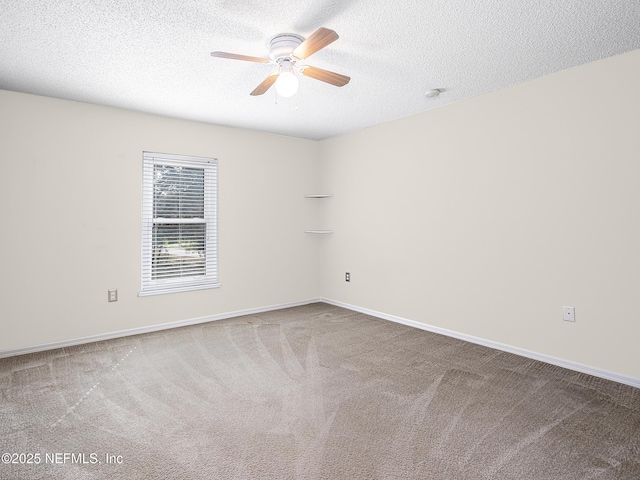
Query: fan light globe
(287, 84)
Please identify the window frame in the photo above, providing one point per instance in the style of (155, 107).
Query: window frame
(149, 285)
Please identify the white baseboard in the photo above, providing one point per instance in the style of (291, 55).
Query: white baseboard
(596, 372)
(151, 328)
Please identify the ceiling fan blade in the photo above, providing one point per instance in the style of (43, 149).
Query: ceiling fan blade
(234, 56)
(318, 40)
(265, 85)
(326, 76)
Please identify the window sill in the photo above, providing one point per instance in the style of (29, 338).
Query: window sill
(178, 289)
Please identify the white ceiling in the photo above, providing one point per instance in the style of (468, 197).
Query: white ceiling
(153, 55)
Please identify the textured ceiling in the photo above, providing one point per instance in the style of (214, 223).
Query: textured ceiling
(153, 56)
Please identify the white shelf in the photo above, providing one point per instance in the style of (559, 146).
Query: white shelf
(319, 195)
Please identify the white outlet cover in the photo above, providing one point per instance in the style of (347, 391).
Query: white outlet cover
(569, 314)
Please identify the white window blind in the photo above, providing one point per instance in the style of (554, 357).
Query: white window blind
(179, 223)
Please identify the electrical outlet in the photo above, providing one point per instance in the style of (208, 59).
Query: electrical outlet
(347, 277)
(569, 314)
(113, 295)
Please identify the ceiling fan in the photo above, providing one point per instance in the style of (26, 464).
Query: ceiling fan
(287, 50)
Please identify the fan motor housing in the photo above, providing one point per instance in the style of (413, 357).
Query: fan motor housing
(281, 45)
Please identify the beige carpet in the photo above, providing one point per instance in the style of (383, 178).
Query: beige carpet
(307, 393)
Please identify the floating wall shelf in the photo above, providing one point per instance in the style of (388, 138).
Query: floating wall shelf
(318, 195)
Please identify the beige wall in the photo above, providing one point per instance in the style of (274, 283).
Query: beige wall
(71, 221)
(483, 217)
(487, 216)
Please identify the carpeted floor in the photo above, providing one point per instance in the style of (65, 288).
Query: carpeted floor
(313, 392)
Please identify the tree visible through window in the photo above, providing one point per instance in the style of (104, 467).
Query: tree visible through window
(179, 223)
(179, 228)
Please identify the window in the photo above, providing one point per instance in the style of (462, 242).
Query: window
(179, 223)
